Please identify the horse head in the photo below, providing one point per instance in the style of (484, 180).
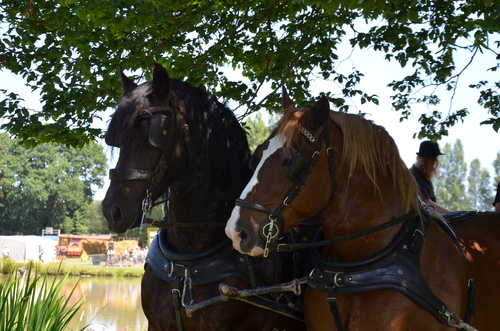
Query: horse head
(147, 127)
(321, 162)
(285, 159)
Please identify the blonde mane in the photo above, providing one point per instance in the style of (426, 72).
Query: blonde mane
(367, 147)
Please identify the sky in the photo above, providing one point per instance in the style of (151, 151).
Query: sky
(480, 142)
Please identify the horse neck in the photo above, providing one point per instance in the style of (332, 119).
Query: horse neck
(188, 205)
(214, 178)
(359, 208)
(191, 203)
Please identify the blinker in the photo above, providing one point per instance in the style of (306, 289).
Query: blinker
(298, 167)
(160, 125)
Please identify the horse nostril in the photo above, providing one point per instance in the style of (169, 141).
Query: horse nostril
(242, 235)
(117, 215)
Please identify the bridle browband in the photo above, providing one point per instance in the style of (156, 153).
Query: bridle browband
(270, 230)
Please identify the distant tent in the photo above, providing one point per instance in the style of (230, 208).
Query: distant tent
(25, 248)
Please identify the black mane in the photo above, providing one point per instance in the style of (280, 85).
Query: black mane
(216, 135)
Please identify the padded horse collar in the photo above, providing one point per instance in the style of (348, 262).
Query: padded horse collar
(200, 268)
(187, 270)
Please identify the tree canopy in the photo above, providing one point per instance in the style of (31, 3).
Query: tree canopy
(49, 185)
(70, 52)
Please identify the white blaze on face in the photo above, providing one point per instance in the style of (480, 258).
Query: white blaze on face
(274, 144)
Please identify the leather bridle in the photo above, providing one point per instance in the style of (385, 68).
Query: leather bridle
(163, 122)
(298, 171)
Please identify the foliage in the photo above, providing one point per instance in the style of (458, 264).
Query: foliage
(49, 185)
(257, 130)
(479, 192)
(461, 188)
(450, 188)
(94, 219)
(70, 51)
(8, 266)
(35, 303)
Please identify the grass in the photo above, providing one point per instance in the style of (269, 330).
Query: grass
(31, 302)
(74, 267)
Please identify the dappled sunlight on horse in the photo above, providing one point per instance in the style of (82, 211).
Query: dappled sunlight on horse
(176, 139)
(384, 260)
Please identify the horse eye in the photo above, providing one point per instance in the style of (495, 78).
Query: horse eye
(287, 163)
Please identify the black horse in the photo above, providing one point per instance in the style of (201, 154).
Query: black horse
(177, 139)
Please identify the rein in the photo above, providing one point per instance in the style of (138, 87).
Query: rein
(287, 248)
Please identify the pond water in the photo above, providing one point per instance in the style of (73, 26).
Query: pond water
(111, 303)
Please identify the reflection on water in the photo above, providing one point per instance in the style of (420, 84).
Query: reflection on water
(111, 303)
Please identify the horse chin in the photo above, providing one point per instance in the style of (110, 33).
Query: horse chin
(256, 251)
(122, 226)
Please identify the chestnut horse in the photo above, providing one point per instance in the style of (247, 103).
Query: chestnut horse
(385, 263)
(175, 137)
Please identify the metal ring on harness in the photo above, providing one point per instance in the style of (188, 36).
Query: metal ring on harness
(270, 233)
(335, 279)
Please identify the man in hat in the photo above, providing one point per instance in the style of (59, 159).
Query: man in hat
(424, 170)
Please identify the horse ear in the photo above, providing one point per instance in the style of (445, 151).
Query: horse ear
(319, 114)
(127, 83)
(287, 102)
(161, 82)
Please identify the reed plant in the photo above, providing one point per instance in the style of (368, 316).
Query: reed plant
(30, 302)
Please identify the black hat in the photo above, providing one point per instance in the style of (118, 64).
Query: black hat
(428, 148)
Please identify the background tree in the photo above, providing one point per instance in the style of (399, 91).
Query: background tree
(49, 185)
(450, 186)
(459, 187)
(70, 51)
(258, 130)
(479, 183)
(496, 166)
(96, 223)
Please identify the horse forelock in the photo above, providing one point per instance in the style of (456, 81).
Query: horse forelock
(369, 147)
(127, 113)
(289, 127)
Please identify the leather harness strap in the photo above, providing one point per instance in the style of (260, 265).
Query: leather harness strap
(334, 306)
(176, 302)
